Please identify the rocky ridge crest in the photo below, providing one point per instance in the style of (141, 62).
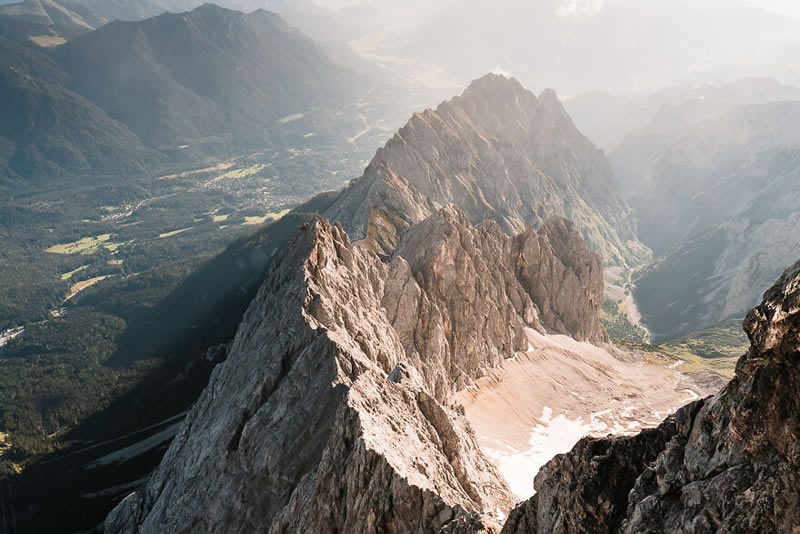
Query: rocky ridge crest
(332, 411)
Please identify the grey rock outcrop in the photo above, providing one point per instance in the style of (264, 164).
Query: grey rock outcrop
(728, 463)
(499, 153)
(332, 412)
(564, 281)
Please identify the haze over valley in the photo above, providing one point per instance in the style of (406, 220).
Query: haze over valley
(334, 265)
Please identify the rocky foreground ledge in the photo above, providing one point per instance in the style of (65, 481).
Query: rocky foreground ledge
(332, 412)
(728, 463)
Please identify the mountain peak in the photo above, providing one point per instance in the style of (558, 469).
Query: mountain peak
(492, 83)
(549, 96)
(493, 86)
(499, 153)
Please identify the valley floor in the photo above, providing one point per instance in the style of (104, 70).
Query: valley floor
(618, 288)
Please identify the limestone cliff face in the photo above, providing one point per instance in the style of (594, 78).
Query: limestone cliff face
(561, 278)
(332, 412)
(499, 153)
(728, 463)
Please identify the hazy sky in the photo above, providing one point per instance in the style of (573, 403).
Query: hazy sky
(788, 8)
(572, 45)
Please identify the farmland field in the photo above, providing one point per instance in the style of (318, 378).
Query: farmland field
(86, 245)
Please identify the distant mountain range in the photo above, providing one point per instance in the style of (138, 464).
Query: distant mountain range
(48, 129)
(634, 157)
(176, 86)
(725, 211)
(80, 16)
(717, 170)
(621, 124)
(713, 175)
(70, 18)
(212, 76)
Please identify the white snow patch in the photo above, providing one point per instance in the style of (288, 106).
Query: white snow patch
(556, 435)
(539, 405)
(693, 396)
(291, 118)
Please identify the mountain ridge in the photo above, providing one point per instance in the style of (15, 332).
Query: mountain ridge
(337, 332)
(172, 89)
(537, 165)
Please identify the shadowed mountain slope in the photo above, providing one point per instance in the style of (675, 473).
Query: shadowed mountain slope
(47, 129)
(211, 77)
(725, 212)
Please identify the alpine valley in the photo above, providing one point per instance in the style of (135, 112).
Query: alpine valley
(254, 282)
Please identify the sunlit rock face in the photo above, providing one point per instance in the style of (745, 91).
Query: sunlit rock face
(727, 463)
(334, 410)
(338, 408)
(499, 153)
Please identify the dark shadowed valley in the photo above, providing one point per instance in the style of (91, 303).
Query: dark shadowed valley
(350, 266)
